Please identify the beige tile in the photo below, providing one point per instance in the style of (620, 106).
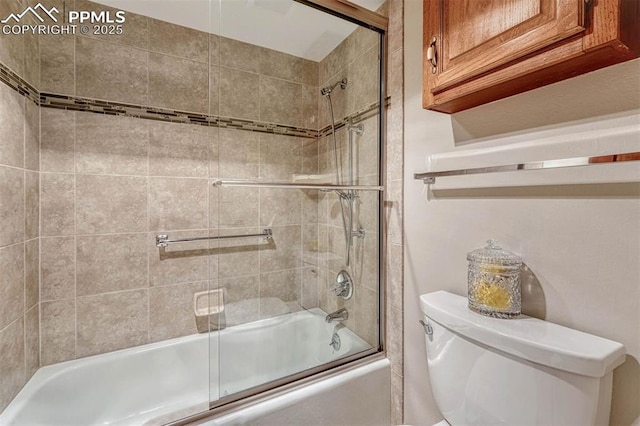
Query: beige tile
(284, 285)
(12, 46)
(394, 275)
(280, 157)
(280, 101)
(394, 339)
(12, 115)
(57, 204)
(57, 328)
(178, 204)
(135, 28)
(58, 268)
(310, 107)
(396, 399)
(32, 136)
(110, 71)
(363, 76)
(214, 49)
(180, 263)
(288, 67)
(394, 211)
(108, 204)
(12, 363)
(214, 90)
(309, 297)
(108, 263)
(234, 207)
(238, 257)
(239, 94)
(310, 245)
(310, 164)
(178, 83)
(57, 140)
(171, 310)
(32, 59)
(107, 144)
(178, 149)
(31, 273)
(214, 152)
(280, 206)
(366, 323)
(32, 204)
(239, 153)
(395, 139)
(310, 204)
(57, 64)
(12, 207)
(284, 251)
(177, 40)
(239, 55)
(12, 288)
(396, 33)
(32, 341)
(109, 322)
(366, 150)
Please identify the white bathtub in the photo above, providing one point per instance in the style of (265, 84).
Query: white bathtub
(167, 380)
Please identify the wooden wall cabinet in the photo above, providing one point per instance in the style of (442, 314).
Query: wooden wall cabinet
(479, 51)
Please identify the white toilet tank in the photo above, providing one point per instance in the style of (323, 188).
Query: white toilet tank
(523, 371)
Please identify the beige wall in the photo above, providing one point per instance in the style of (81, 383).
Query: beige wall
(19, 232)
(580, 242)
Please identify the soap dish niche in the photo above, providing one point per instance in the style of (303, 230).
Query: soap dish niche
(207, 303)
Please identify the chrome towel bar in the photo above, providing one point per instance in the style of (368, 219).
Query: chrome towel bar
(325, 187)
(163, 240)
(430, 177)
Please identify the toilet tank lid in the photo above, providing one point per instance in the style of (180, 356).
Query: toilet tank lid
(525, 337)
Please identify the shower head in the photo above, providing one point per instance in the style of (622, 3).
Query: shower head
(326, 91)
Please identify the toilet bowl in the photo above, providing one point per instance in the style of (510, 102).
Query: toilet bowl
(524, 371)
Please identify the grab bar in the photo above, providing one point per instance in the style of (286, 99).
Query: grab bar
(430, 177)
(163, 240)
(256, 184)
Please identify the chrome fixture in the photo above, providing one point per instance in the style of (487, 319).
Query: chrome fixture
(322, 187)
(427, 328)
(163, 240)
(335, 342)
(339, 315)
(430, 177)
(326, 91)
(343, 287)
(348, 197)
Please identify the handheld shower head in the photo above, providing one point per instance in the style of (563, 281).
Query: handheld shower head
(326, 91)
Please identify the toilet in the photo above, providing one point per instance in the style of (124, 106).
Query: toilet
(522, 371)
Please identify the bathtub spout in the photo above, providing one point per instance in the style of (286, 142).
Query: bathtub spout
(339, 315)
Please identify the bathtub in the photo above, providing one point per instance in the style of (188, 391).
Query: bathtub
(164, 381)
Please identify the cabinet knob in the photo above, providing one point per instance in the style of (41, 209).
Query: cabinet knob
(432, 56)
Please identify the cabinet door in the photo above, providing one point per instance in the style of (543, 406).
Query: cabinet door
(475, 37)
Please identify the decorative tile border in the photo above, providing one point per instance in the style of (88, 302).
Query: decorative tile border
(75, 103)
(358, 116)
(18, 84)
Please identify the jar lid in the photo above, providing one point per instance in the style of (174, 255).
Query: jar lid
(494, 253)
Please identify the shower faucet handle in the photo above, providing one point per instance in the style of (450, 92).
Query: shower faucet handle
(343, 286)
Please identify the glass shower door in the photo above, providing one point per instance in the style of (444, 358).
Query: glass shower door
(296, 197)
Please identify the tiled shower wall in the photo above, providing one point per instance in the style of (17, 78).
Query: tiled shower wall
(111, 183)
(355, 59)
(19, 232)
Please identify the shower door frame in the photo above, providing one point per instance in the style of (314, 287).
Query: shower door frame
(378, 23)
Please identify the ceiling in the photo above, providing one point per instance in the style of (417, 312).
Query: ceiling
(282, 25)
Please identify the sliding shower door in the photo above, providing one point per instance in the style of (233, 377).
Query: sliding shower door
(294, 199)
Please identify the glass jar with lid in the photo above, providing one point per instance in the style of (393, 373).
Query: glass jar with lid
(494, 281)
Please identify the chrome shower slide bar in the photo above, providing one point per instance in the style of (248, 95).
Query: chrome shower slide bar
(430, 177)
(163, 240)
(325, 187)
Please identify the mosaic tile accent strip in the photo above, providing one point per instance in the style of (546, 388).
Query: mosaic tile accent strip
(74, 103)
(18, 84)
(356, 117)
